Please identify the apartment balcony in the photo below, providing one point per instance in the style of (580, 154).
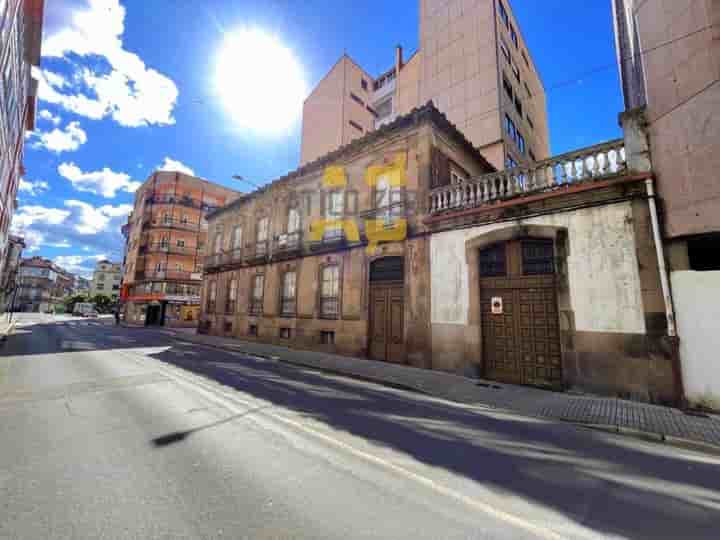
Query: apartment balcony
(163, 275)
(258, 252)
(213, 261)
(173, 200)
(169, 250)
(150, 221)
(233, 256)
(600, 162)
(287, 245)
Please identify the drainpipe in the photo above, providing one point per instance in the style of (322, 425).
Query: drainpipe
(664, 283)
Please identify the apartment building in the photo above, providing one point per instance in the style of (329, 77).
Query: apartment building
(9, 273)
(82, 286)
(106, 280)
(42, 286)
(407, 246)
(669, 59)
(166, 242)
(473, 64)
(20, 41)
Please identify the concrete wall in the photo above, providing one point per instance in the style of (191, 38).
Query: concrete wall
(697, 309)
(602, 269)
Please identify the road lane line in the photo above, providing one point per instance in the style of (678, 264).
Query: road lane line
(220, 397)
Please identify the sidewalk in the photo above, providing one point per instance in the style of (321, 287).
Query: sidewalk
(665, 423)
(5, 327)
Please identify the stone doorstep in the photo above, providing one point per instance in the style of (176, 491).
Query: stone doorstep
(505, 398)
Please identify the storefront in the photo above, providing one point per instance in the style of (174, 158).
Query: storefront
(162, 310)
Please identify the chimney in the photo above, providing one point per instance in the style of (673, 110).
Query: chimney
(398, 58)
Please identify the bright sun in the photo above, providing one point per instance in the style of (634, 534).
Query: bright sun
(260, 81)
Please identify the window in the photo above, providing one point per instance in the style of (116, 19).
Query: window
(334, 210)
(704, 252)
(217, 247)
(285, 333)
(530, 122)
(179, 267)
(330, 291)
(231, 297)
(513, 36)
(212, 296)
(256, 299)
(237, 238)
(538, 257)
(508, 88)
(327, 337)
(510, 127)
(159, 267)
(364, 84)
(252, 330)
(527, 89)
(293, 224)
(357, 99)
(518, 106)
(164, 242)
(492, 261)
(184, 219)
(356, 126)
(180, 242)
(521, 143)
(261, 236)
(503, 14)
(390, 199)
(516, 71)
(457, 177)
(505, 51)
(510, 163)
(287, 296)
(384, 108)
(524, 56)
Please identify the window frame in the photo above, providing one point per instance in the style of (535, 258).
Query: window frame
(325, 299)
(256, 302)
(288, 301)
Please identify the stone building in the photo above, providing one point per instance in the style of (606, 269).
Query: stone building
(669, 58)
(472, 63)
(106, 280)
(20, 41)
(166, 241)
(407, 246)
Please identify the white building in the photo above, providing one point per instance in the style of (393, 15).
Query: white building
(106, 279)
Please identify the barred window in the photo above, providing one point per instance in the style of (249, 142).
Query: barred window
(288, 296)
(256, 299)
(330, 291)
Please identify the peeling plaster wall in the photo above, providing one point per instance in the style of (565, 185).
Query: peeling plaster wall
(696, 296)
(602, 269)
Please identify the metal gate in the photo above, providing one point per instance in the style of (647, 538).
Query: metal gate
(518, 302)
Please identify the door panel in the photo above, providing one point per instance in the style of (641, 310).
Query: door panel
(387, 336)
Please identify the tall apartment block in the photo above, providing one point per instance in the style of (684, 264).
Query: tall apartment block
(166, 241)
(472, 63)
(669, 59)
(20, 42)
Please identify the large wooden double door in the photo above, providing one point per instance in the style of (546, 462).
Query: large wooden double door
(518, 302)
(387, 310)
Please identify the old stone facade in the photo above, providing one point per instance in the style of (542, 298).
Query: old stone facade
(544, 275)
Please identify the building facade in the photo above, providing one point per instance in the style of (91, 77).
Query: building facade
(9, 272)
(82, 286)
(106, 280)
(472, 63)
(669, 58)
(43, 286)
(166, 242)
(407, 246)
(20, 40)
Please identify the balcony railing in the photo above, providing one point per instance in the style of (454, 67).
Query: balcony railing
(288, 242)
(155, 221)
(256, 306)
(232, 256)
(167, 248)
(258, 251)
(587, 165)
(164, 274)
(213, 260)
(178, 200)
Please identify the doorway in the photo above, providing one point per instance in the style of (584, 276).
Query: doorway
(519, 314)
(155, 315)
(387, 310)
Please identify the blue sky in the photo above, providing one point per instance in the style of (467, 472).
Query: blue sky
(128, 86)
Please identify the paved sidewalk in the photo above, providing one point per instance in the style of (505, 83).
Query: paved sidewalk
(663, 422)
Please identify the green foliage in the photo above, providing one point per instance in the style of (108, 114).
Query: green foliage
(103, 304)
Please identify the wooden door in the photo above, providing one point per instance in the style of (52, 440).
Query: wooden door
(518, 302)
(387, 309)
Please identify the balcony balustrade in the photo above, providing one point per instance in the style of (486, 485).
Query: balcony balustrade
(587, 165)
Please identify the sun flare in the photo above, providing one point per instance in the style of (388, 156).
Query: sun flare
(259, 81)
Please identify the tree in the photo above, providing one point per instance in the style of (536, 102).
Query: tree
(70, 302)
(103, 303)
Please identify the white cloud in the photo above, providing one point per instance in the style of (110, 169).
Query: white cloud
(177, 166)
(105, 182)
(58, 140)
(92, 229)
(82, 265)
(50, 117)
(133, 94)
(33, 188)
(91, 220)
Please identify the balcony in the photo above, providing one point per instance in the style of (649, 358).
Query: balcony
(143, 275)
(287, 245)
(169, 249)
(591, 164)
(150, 221)
(258, 252)
(213, 261)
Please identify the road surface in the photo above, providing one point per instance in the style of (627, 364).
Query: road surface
(110, 432)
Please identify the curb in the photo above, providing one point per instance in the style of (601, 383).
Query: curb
(7, 332)
(650, 436)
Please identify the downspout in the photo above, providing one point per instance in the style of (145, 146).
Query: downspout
(664, 282)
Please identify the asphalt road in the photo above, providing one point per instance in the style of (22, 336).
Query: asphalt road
(112, 432)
